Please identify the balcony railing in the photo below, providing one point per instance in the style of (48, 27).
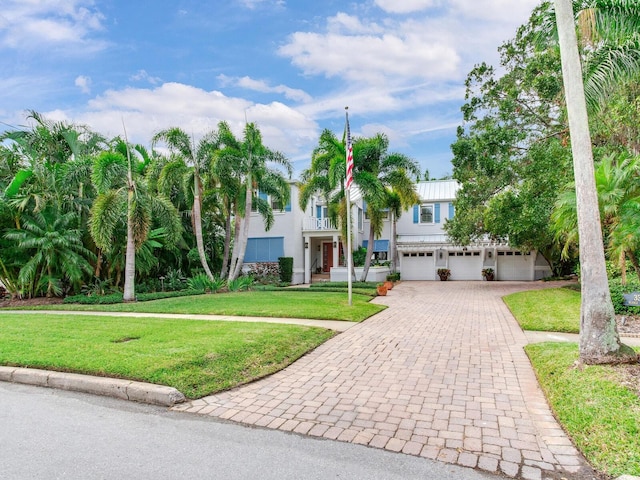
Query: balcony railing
(313, 223)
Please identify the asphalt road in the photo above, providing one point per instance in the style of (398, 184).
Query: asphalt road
(52, 434)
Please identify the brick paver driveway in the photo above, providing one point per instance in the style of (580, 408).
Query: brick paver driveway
(441, 374)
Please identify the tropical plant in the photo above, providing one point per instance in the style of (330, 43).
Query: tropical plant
(599, 339)
(249, 159)
(377, 172)
(123, 205)
(53, 243)
(199, 157)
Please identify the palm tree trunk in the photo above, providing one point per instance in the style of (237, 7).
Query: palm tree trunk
(130, 256)
(367, 260)
(227, 243)
(599, 339)
(197, 224)
(241, 242)
(236, 239)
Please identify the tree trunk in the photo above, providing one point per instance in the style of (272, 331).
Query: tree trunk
(241, 243)
(367, 260)
(224, 271)
(392, 243)
(130, 258)
(197, 224)
(599, 339)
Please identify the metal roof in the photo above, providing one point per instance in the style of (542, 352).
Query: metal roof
(437, 190)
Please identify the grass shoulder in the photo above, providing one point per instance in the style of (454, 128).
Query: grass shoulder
(196, 357)
(549, 310)
(594, 404)
(323, 305)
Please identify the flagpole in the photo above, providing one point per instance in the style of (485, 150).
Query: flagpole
(348, 181)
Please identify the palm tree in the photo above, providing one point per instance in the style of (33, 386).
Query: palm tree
(123, 204)
(599, 339)
(619, 202)
(199, 156)
(249, 158)
(375, 172)
(54, 244)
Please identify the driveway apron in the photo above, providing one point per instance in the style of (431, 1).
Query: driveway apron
(441, 374)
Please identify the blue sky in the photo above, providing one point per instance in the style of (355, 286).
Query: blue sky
(291, 66)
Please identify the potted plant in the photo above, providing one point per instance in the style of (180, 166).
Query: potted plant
(488, 274)
(444, 274)
(381, 289)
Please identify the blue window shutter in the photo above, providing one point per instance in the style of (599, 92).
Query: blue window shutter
(437, 213)
(287, 207)
(318, 211)
(262, 195)
(451, 210)
(416, 213)
(364, 206)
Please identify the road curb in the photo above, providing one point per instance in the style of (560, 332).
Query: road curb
(110, 387)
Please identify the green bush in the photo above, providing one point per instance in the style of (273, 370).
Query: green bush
(359, 257)
(240, 284)
(286, 269)
(202, 283)
(393, 277)
(117, 297)
(617, 290)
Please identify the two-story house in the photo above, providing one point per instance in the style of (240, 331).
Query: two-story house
(422, 244)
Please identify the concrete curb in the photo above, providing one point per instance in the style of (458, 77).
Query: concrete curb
(109, 387)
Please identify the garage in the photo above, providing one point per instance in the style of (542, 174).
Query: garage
(515, 265)
(417, 266)
(465, 265)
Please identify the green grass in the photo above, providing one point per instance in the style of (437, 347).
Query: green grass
(196, 357)
(547, 310)
(601, 415)
(294, 304)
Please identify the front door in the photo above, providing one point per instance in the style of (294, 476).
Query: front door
(327, 257)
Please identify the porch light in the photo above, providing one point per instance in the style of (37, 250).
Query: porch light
(306, 244)
(335, 244)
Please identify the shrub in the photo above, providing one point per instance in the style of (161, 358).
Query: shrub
(359, 257)
(202, 283)
(286, 269)
(617, 290)
(240, 284)
(265, 272)
(393, 277)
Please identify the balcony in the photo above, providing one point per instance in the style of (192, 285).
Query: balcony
(317, 224)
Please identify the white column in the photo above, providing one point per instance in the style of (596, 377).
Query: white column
(307, 259)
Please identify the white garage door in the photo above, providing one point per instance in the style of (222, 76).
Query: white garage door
(417, 266)
(515, 266)
(465, 265)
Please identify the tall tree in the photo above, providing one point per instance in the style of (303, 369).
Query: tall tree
(124, 205)
(199, 157)
(375, 172)
(599, 339)
(250, 159)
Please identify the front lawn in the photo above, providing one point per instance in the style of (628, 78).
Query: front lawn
(546, 310)
(592, 403)
(283, 303)
(196, 357)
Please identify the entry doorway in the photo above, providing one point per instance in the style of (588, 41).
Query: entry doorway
(327, 256)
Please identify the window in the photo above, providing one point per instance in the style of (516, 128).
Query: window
(360, 220)
(426, 213)
(264, 249)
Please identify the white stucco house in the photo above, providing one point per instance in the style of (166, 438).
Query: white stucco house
(422, 244)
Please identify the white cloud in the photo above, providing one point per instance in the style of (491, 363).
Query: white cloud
(47, 23)
(404, 6)
(84, 83)
(494, 10)
(142, 75)
(252, 4)
(381, 59)
(145, 111)
(262, 86)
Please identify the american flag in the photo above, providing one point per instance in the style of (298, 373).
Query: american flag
(349, 157)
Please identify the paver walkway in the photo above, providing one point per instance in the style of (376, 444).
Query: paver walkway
(441, 374)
